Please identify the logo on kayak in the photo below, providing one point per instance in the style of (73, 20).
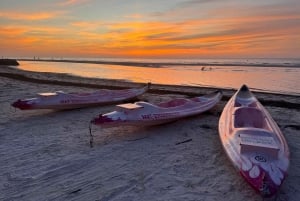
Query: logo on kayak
(260, 158)
(159, 116)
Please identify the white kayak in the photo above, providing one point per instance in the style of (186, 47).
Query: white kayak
(61, 100)
(144, 113)
(254, 143)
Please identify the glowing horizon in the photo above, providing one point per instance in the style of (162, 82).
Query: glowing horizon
(143, 29)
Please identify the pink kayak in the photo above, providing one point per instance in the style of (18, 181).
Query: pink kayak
(62, 100)
(254, 142)
(144, 113)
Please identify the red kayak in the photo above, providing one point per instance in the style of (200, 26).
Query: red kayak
(254, 142)
(61, 100)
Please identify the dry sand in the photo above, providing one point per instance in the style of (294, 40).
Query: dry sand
(45, 154)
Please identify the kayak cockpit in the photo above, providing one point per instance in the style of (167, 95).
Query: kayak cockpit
(174, 103)
(249, 117)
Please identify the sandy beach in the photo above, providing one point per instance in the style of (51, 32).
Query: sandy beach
(45, 154)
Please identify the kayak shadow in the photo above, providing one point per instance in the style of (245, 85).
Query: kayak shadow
(105, 136)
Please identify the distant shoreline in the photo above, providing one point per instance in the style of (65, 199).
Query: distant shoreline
(162, 64)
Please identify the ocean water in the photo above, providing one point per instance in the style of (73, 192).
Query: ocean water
(270, 75)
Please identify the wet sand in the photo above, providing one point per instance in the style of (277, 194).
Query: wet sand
(45, 154)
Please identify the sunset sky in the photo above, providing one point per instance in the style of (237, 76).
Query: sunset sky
(150, 29)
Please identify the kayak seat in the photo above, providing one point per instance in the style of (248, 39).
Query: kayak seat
(248, 117)
(173, 103)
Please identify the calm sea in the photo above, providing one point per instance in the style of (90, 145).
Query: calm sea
(271, 75)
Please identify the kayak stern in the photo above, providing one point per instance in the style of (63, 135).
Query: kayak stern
(261, 181)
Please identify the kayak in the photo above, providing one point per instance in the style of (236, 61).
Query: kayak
(61, 100)
(147, 114)
(254, 143)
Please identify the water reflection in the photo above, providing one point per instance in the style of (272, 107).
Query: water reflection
(277, 79)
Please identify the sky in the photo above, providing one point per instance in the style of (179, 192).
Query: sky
(150, 29)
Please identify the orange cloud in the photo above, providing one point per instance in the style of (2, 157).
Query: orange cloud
(29, 16)
(24, 31)
(11, 31)
(83, 24)
(229, 37)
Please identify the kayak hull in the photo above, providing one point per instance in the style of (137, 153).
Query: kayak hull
(254, 143)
